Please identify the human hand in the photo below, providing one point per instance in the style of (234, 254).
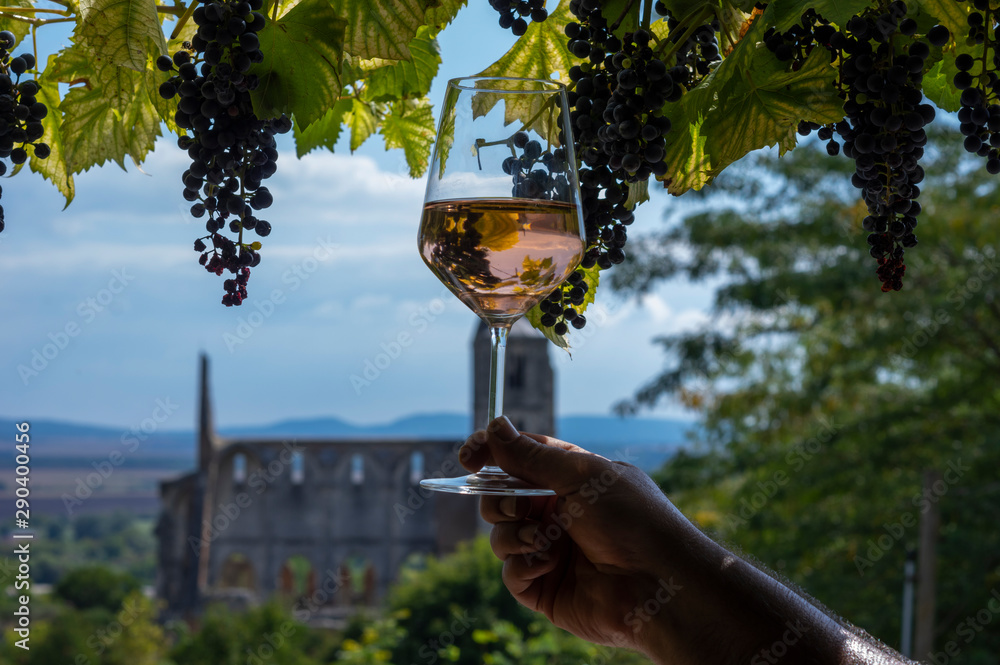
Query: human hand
(590, 557)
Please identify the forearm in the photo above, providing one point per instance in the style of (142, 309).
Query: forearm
(727, 612)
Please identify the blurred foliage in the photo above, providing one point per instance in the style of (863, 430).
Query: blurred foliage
(449, 610)
(96, 586)
(117, 540)
(824, 400)
(96, 636)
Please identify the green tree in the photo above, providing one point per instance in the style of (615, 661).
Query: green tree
(456, 609)
(824, 401)
(96, 586)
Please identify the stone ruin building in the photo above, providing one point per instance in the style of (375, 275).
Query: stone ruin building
(326, 523)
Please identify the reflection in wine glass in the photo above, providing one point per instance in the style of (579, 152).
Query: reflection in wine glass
(501, 225)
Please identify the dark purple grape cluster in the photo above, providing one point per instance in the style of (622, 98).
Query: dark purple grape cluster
(616, 97)
(232, 151)
(514, 14)
(21, 113)
(977, 79)
(880, 76)
(536, 173)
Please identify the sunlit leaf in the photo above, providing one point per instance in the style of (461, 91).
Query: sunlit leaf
(54, 167)
(410, 125)
(387, 80)
(120, 32)
(324, 132)
(300, 74)
(380, 28)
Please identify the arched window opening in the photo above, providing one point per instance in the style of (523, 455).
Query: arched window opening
(357, 469)
(416, 467)
(239, 468)
(298, 468)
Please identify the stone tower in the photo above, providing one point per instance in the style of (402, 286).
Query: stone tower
(529, 390)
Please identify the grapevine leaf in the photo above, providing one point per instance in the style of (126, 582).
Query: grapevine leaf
(19, 28)
(388, 80)
(441, 14)
(592, 277)
(938, 86)
(783, 14)
(119, 32)
(96, 128)
(380, 28)
(541, 53)
(638, 192)
(324, 132)
(54, 167)
(623, 12)
(300, 74)
(410, 125)
(952, 15)
(362, 121)
(749, 101)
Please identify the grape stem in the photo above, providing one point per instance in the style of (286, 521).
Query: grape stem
(621, 17)
(647, 14)
(183, 20)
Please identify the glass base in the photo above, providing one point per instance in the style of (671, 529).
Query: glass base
(475, 484)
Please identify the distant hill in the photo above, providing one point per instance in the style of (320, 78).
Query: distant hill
(648, 442)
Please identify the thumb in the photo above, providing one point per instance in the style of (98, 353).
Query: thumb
(547, 463)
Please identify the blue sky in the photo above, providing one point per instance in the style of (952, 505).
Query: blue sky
(110, 290)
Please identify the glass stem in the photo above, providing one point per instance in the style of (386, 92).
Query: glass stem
(498, 348)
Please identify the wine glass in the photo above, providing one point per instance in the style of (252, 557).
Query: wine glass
(501, 225)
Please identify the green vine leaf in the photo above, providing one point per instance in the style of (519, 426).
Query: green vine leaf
(952, 15)
(388, 80)
(362, 121)
(121, 32)
(380, 28)
(938, 86)
(638, 192)
(54, 167)
(748, 102)
(324, 132)
(107, 114)
(440, 14)
(541, 53)
(410, 125)
(300, 74)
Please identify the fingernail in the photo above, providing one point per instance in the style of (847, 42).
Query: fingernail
(508, 506)
(505, 430)
(526, 534)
